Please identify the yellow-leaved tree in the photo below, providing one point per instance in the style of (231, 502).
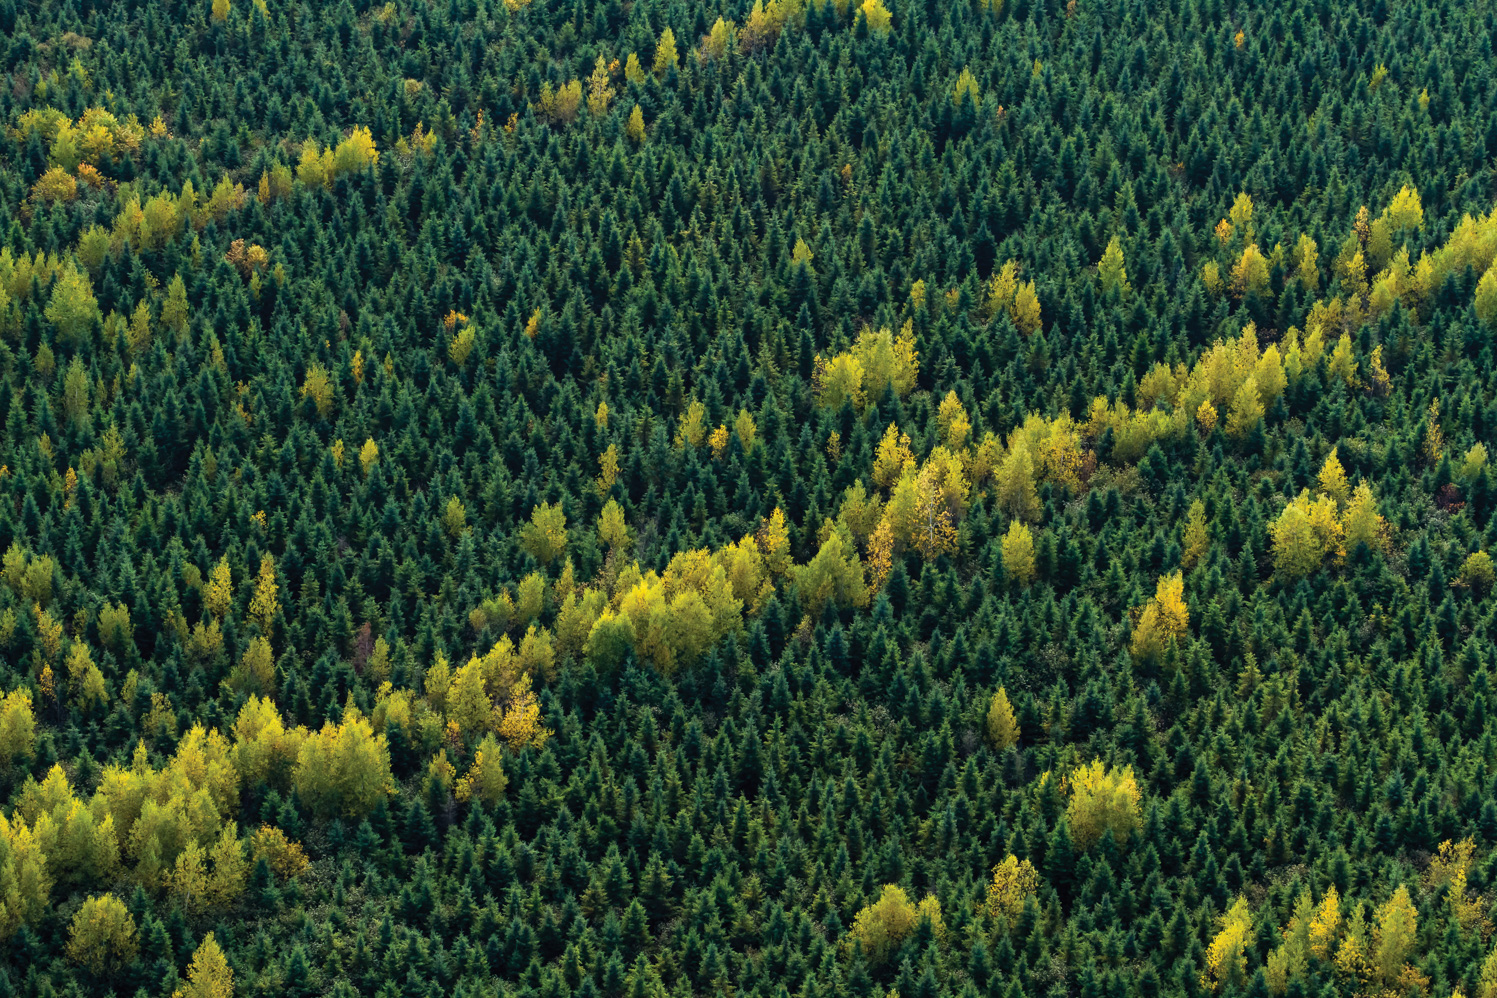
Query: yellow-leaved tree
(102, 935)
(17, 727)
(881, 926)
(1018, 553)
(1112, 272)
(485, 779)
(1197, 536)
(1164, 619)
(1003, 728)
(209, 975)
(1226, 957)
(1332, 480)
(265, 603)
(1104, 800)
(1014, 880)
(1397, 932)
(344, 768)
(666, 57)
(834, 576)
(545, 536)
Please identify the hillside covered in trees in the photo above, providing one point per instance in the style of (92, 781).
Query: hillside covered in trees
(608, 499)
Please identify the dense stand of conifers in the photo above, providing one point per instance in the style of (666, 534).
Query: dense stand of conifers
(616, 499)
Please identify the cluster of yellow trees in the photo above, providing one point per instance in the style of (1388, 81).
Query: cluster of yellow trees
(1315, 529)
(96, 136)
(1006, 293)
(1372, 264)
(877, 362)
(691, 431)
(30, 578)
(1234, 375)
(767, 21)
(171, 828)
(918, 503)
(668, 619)
(492, 694)
(103, 937)
(1371, 959)
(353, 154)
(77, 149)
(143, 223)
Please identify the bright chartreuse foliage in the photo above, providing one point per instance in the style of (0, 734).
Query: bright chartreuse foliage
(774, 498)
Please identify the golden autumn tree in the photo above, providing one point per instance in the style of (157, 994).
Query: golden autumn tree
(102, 936)
(1104, 800)
(265, 603)
(834, 575)
(520, 721)
(73, 309)
(1226, 957)
(1394, 940)
(877, 17)
(344, 768)
(1247, 410)
(1003, 727)
(1112, 272)
(1332, 479)
(1197, 537)
(17, 727)
(209, 974)
(1018, 553)
(218, 595)
(1014, 881)
(485, 780)
(666, 57)
(881, 926)
(599, 89)
(934, 533)
(317, 387)
(1164, 619)
(368, 456)
(545, 536)
(1018, 495)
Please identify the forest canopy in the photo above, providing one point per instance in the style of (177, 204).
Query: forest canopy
(565, 499)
